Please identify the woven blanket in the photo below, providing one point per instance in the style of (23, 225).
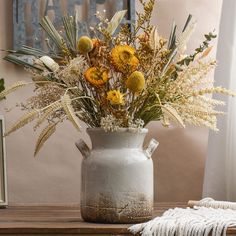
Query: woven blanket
(197, 221)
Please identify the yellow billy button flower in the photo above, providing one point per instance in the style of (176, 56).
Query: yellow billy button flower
(123, 58)
(85, 45)
(135, 82)
(115, 97)
(96, 75)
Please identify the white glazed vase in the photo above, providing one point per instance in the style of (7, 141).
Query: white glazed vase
(117, 177)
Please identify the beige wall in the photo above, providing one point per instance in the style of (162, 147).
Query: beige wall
(54, 176)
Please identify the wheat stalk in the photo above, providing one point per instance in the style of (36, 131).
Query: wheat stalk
(25, 119)
(69, 110)
(13, 88)
(47, 112)
(214, 90)
(43, 137)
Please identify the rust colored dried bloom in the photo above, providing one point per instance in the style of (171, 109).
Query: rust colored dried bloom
(123, 58)
(96, 76)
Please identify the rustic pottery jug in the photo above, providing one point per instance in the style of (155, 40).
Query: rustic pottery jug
(117, 176)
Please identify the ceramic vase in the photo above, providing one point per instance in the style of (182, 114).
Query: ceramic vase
(117, 176)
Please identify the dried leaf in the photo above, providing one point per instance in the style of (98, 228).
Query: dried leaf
(2, 85)
(172, 114)
(13, 88)
(25, 119)
(206, 52)
(184, 37)
(115, 21)
(165, 121)
(69, 110)
(43, 137)
(154, 39)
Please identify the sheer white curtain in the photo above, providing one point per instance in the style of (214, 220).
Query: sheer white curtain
(220, 170)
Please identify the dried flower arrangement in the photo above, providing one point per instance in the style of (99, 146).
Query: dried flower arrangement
(113, 79)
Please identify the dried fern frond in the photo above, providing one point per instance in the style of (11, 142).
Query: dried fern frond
(47, 112)
(43, 137)
(13, 87)
(172, 114)
(69, 110)
(25, 119)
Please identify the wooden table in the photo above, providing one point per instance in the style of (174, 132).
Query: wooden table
(63, 220)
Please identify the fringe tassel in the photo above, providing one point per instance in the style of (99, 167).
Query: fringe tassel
(197, 221)
(209, 202)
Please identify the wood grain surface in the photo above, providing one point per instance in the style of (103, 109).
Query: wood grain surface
(63, 220)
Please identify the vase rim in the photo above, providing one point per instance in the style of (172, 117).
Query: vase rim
(120, 130)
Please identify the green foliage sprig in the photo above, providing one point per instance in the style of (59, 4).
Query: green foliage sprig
(205, 44)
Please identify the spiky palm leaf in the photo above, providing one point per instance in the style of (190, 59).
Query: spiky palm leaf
(69, 23)
(52, 33)
(13, 58)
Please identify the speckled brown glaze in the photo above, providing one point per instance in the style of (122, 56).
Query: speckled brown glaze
(131, 209)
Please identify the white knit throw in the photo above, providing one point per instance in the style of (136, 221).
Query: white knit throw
(197, 221)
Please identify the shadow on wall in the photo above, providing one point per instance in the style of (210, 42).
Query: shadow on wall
(178, 162)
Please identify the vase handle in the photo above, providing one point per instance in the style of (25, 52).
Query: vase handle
(153, 144)
(83, 148)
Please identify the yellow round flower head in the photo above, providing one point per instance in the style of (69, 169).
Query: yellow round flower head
(96, 75)
(85, 44)
(115, 97)
(135, 82)
(123, 58)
